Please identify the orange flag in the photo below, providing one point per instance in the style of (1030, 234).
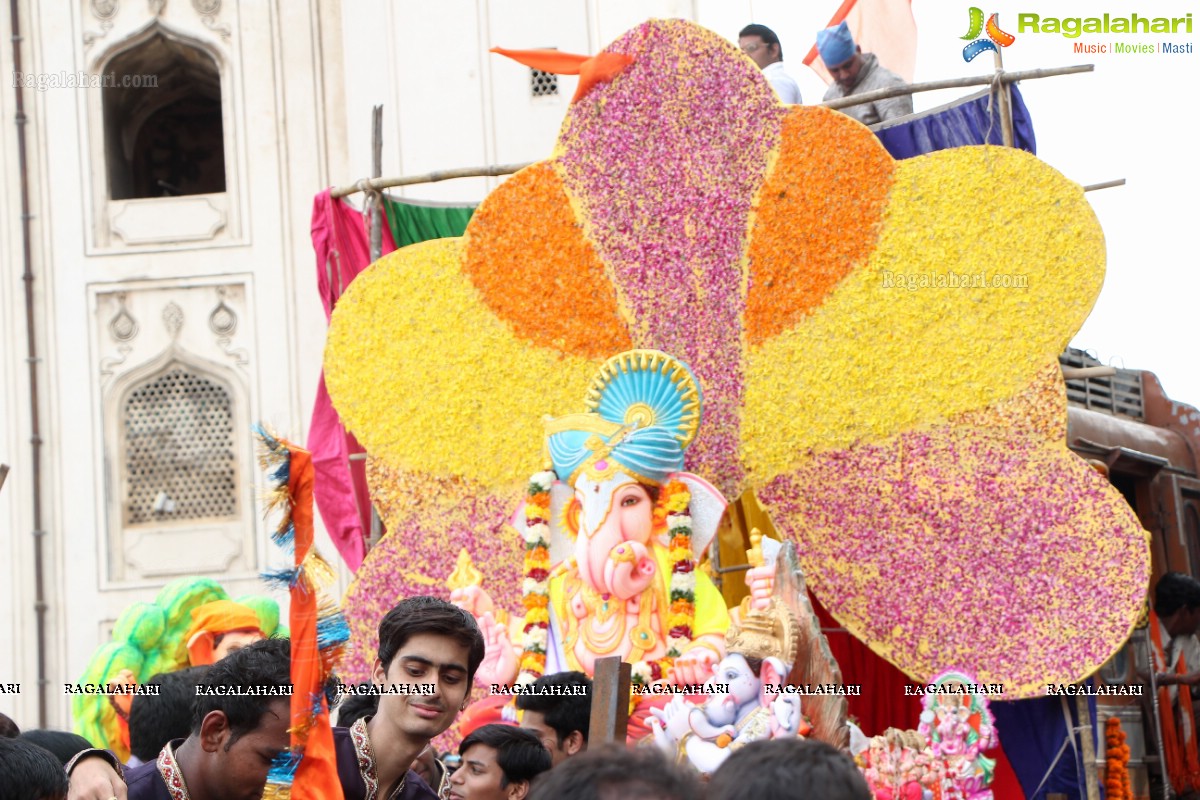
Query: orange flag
(317, 776)
(591, 70)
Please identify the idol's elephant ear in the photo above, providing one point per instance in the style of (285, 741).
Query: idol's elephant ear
(561, 540)
(706, 509)
(773, 675)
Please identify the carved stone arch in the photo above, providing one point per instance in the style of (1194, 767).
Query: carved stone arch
(163, 115)
(177, 466)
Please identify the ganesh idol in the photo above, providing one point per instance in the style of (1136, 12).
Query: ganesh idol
(614, 532)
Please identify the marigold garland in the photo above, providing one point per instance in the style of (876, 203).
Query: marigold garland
(536, 587)
(681, 613)
(1116, 763)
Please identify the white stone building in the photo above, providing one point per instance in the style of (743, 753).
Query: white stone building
(173, 148)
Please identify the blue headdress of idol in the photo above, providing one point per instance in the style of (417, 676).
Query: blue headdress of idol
(643, 412)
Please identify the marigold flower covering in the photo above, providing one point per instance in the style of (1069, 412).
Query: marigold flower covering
(909, 436)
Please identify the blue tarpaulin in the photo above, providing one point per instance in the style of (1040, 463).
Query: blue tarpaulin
(1039, 739)
(972, 120)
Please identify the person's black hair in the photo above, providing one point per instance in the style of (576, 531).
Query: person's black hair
(564, 713)
(423, 614)
(781, 769)
(520, 755)
(63, 744)
(766, 34)
(264, 663)
(155, 720)
(613, 773)
(1174, 591)
(353, 707)
(29, 772)
(8, 728)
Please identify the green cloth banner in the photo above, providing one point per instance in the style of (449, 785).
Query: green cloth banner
(417, 222)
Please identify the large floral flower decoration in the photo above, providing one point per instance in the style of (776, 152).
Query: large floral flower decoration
(905, 431)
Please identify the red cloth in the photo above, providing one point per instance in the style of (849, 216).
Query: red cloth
(882, 703)
(339, 236)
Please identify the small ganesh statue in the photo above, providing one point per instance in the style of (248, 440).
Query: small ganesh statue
(747, 697)
(614, 532)
(960, 727)
(900, 765)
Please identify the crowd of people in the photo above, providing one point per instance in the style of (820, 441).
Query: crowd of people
(853, 72)
(220, 745)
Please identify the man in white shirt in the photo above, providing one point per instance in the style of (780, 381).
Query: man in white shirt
(762, 45)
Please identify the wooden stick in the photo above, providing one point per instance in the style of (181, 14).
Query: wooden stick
(1106, 185)
(1004, 96)
(430, 177)
(495, 170)
(954, 83)
(610, 701)
(376, 244)
(1070, 373)
(1089, 748)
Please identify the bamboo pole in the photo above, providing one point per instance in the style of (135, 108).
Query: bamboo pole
(376, 240)
(377, 183)
(954, 83)
(1069, 373)
(429, 177)
(1089, 747)
(1004, 99)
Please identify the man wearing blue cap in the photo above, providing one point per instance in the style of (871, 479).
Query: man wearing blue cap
(856, 72)
(762, 45)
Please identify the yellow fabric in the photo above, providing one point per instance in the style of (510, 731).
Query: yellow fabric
(711, 614)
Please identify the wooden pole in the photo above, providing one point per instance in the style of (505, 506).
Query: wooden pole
(376, 172)
(1004, 100)
(430, 177)
(610, 701)
(496, 170)
(954, 83)
(376, 240)
(1089, 747)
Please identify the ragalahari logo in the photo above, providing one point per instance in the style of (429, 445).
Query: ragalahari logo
(995, 36)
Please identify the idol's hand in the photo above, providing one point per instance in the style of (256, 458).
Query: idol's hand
(694, 667)
(500, 658)
(761, 581)
(474, 600)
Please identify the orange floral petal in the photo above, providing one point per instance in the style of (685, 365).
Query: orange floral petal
(543, 277)
(817, 217)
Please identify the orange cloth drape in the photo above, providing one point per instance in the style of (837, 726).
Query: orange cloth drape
(317, 776)
(1179, 744)
(592, 70)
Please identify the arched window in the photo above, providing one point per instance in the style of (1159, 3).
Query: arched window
(163, 127)
(179, 455)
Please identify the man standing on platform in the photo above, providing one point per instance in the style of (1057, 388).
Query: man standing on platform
(762, 45)
(855, 72)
